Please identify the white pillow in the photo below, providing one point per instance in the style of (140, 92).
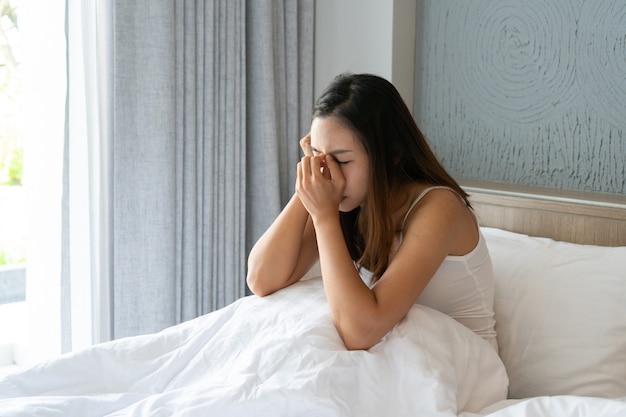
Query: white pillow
(560, 315)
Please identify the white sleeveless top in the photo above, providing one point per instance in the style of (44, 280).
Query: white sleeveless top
(462, 287)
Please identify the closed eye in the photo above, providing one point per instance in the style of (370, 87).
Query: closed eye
(316, 153)
(334, 154)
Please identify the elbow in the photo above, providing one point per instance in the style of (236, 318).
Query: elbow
(356, 345)
(262, 281)
(257, 286)
(356, 337)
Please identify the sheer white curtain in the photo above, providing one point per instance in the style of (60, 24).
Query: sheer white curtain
(171, 107)
(86, 301)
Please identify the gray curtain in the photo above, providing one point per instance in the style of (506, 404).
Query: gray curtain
(208, 100)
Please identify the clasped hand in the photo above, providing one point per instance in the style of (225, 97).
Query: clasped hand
(320, 182)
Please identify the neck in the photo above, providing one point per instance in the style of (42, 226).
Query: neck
(401, 201)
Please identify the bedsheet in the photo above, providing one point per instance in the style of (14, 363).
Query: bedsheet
(555, 406)
(279, 356)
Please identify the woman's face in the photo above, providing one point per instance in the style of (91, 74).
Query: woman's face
(329, 136)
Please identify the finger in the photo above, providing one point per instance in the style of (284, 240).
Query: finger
(332, 167)
(326, 170)
(317, 162)
(305, 171)
(299, 178)
(299, 171)
(305, 144)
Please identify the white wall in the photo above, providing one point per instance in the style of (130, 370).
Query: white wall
(375, 36)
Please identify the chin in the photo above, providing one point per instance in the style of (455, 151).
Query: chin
(346, 207)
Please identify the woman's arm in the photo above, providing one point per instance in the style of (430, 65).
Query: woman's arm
(363, 316)
(287, 250)
(284, 253)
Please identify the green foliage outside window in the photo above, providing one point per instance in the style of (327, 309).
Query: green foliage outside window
(9, 258)
(11, 148)
(12, 230)
(11, 166)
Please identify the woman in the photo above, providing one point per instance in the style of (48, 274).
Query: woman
(389, 226)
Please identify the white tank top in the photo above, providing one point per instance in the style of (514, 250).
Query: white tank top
(462, 287)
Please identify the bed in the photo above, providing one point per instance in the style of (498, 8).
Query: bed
(560, 265)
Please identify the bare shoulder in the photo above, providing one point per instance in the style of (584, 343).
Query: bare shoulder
(442, 203)
(442, 215)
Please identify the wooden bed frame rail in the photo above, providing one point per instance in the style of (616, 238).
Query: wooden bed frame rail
(571, 216)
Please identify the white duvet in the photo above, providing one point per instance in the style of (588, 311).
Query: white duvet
(281, 356)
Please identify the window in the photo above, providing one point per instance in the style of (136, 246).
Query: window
(32, 101)
(12, 192)
(12, 238)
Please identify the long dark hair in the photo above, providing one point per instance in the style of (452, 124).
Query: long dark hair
(398, 154)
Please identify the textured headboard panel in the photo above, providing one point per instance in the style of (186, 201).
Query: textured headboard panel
(572, 216)
(525, 92)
